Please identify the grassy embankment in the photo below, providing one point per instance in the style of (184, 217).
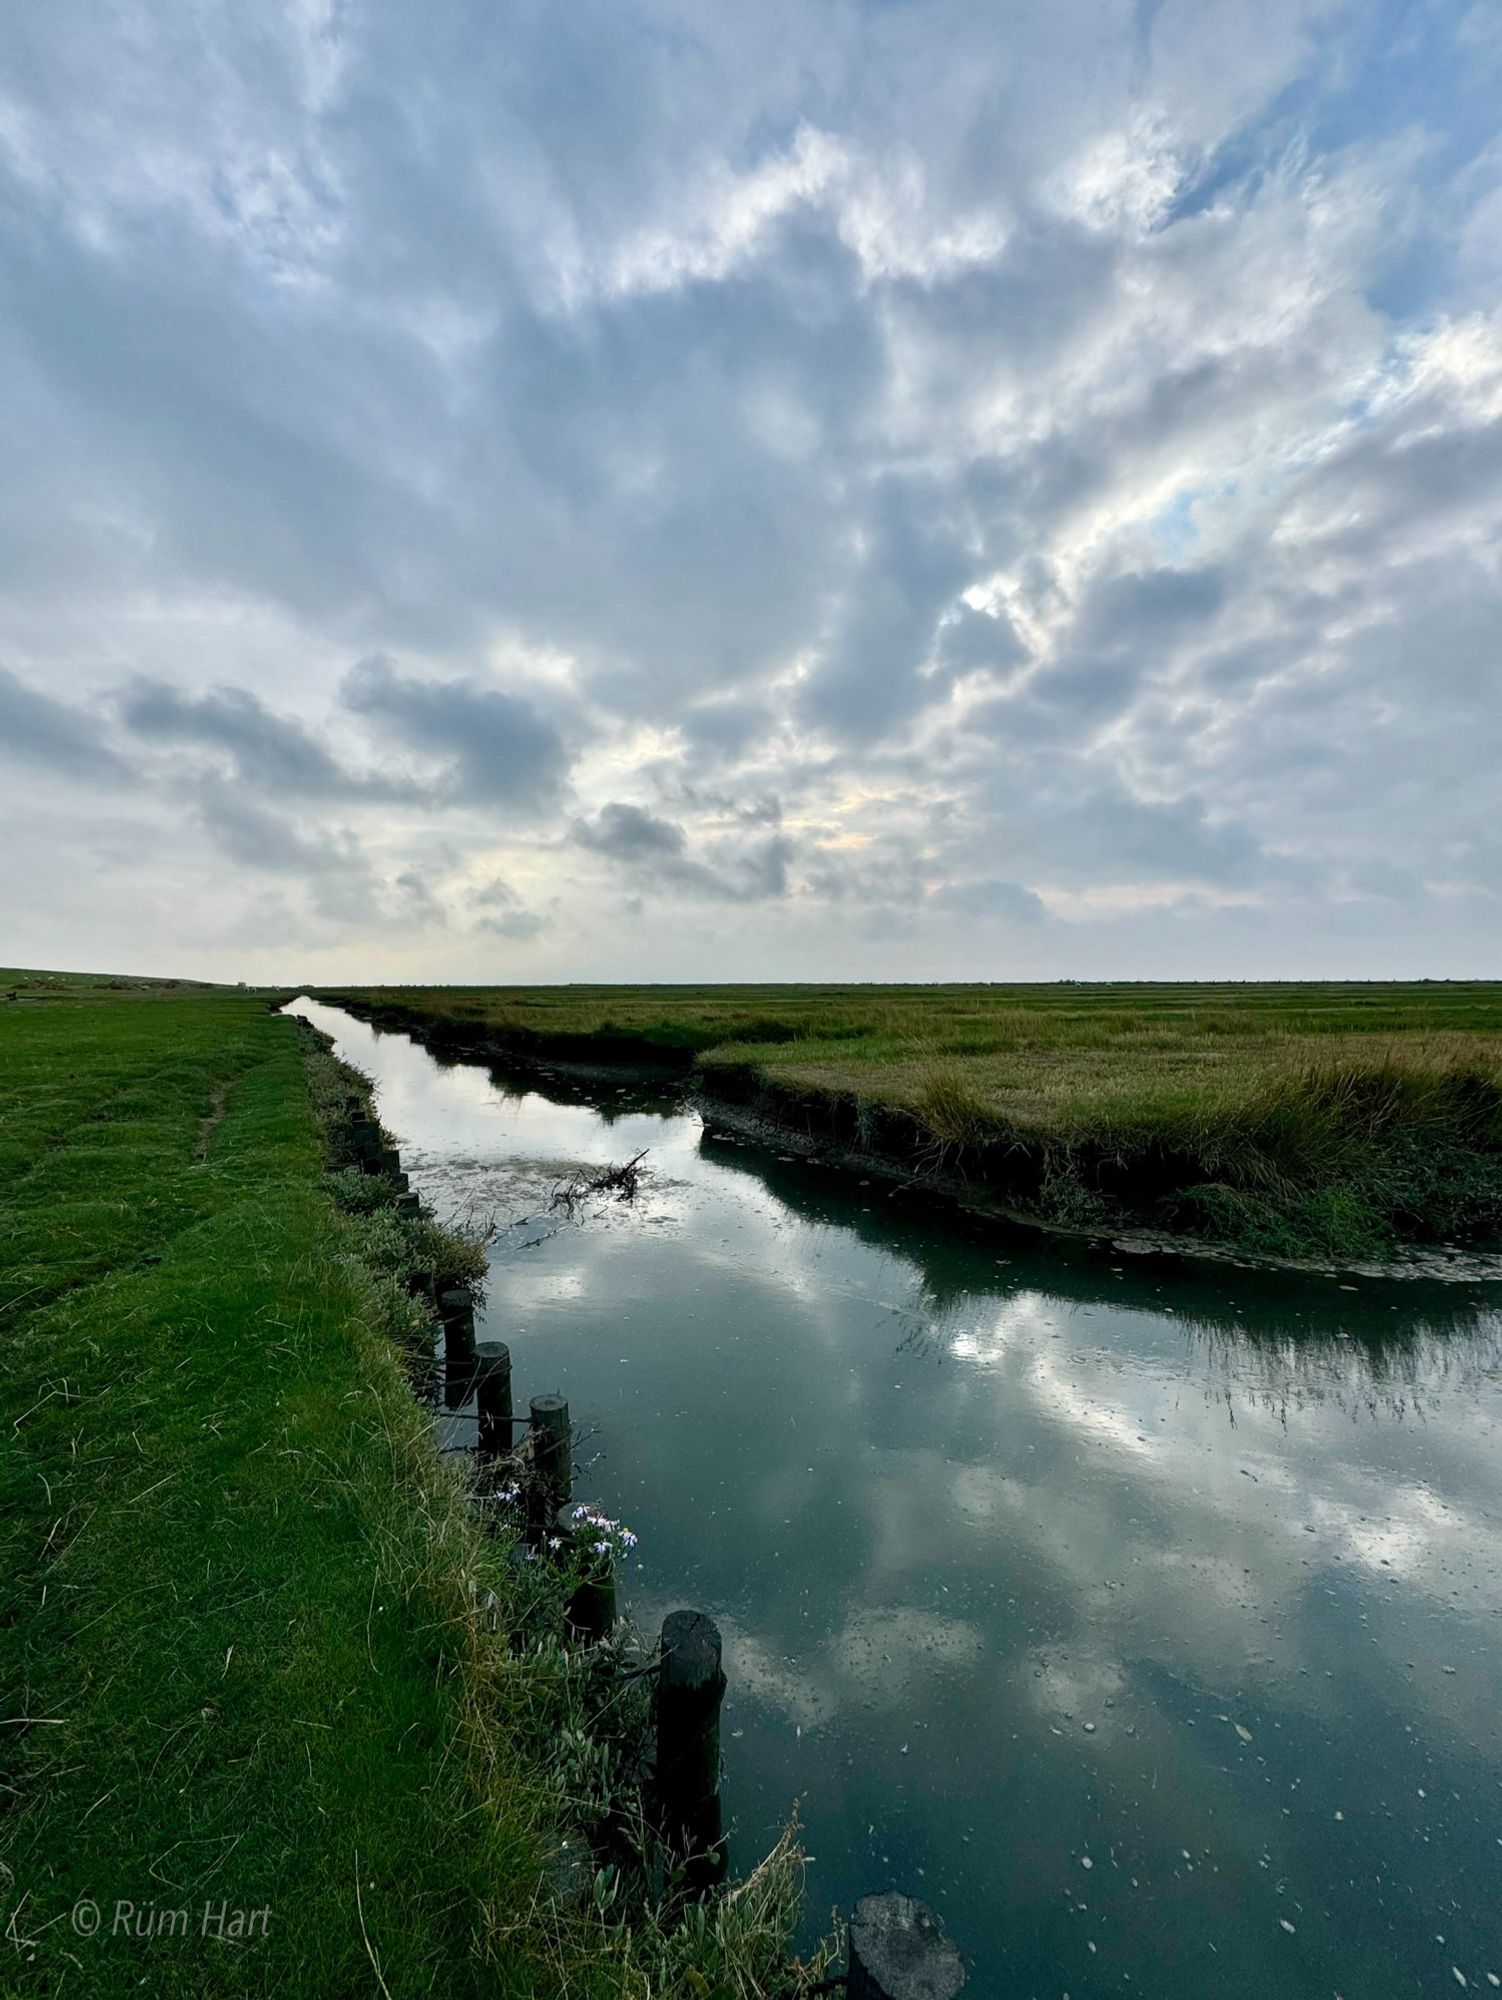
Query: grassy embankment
(1296, 1120)
(255, 1652)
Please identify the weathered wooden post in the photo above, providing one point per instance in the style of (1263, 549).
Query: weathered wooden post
(589, 1615)
(690, 1689)
(899, 1951)
(365, 1140)
(552, 1476)
(493, 1396)
(408, 1207)
(456, 1313)
(391, 1160)
(552, 1446)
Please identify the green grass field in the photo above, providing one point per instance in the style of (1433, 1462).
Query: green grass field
(255, 1654)
(1314, 1120)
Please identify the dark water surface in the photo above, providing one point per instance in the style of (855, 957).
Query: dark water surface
(1143, 1619)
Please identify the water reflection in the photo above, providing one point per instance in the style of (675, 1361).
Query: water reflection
(1142, 1616)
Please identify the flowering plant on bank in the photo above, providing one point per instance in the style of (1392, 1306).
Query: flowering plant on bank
(594, 1534)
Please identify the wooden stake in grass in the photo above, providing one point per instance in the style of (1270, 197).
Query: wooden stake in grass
(898, 1951)
(690, 1689)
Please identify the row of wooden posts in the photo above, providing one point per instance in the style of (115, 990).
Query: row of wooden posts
(898, 1949)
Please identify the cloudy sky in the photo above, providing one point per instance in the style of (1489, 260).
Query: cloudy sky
(653, 488)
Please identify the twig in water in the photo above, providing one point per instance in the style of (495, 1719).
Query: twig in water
(622, 1182)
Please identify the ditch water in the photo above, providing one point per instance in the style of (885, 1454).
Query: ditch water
(1144, 1618)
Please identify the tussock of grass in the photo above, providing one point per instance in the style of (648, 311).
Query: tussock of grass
(954, 1114)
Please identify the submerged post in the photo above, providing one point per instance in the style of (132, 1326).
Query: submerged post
(899, 1951)
(493, 1396)
(589, 1615)
(690, 1689)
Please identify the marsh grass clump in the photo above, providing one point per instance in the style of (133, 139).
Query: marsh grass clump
(951, 1109)
(1349, 1157)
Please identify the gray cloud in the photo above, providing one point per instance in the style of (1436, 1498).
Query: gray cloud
(268, 751)
(499, 750)
(657, 850)
(990, 896)
(887, 623)
(501, 912)
(248, 832)
(53, 735)
(628, 833)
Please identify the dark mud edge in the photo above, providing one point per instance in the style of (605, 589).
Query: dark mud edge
(840, 1132)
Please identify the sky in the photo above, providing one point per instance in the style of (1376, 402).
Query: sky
(857, 489)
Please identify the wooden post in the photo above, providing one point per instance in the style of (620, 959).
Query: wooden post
(690, 1689)
(898, 1951)
(456, 1311)
(493, 1395)
(589, 1615)
(391, 1160)
(552, 1446)
(408, 1207)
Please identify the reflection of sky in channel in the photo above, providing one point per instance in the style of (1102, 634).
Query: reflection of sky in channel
(1030, 1560)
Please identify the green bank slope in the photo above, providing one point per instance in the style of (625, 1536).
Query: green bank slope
(254, 1659)
(1296, 1120)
